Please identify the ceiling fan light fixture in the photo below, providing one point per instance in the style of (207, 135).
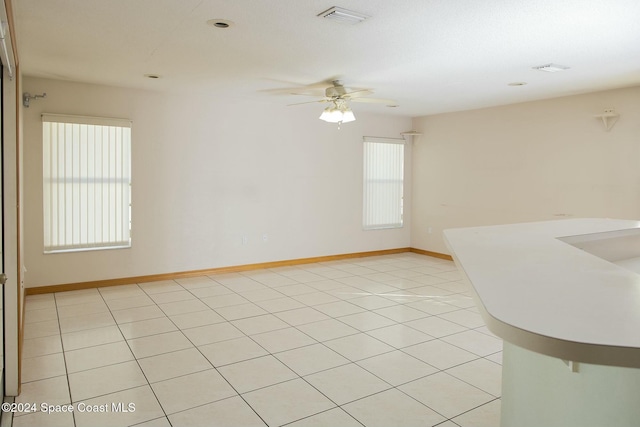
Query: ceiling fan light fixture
(337, 114)
(343, 16)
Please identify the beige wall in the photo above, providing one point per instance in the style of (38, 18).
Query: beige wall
(207, 171)
(526, 162)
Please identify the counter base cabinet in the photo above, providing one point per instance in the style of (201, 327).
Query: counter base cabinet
(539, 390)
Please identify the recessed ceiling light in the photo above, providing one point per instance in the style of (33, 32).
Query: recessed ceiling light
(343, 15)
(551, 68)
(517, 84)
(220, 23)
(152, 76)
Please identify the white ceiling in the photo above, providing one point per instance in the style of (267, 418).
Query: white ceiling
(430, 56)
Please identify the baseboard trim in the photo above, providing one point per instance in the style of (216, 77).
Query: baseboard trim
(219, 270)
(431, 254)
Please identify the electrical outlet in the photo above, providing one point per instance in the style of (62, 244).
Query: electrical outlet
(429, 230)
(265, 237)
(245, 240)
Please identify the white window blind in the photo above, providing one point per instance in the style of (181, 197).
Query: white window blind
(86, 182)
(383, 183)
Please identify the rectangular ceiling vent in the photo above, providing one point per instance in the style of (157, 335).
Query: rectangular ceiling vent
(551, 68)
(343, 16)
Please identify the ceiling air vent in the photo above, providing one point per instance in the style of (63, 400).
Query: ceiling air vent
(551, 68)
(343, 16)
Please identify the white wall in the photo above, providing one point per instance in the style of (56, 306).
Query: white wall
(526, 162)
(207, 171)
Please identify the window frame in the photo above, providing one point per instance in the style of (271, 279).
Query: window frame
(395, 171)
(91, 166)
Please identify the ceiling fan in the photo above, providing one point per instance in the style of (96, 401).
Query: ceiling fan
(339, 97)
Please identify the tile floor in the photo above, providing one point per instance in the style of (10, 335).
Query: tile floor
(381, 341)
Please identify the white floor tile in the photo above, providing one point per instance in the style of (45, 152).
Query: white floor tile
(108, 379)
(232, 351)
(97, 356)
(347, 383)
(332, 417)
(62, 419)
(358, 346)
(283, 340)
(148, 327)
(399, 336)
(329, 329)
(402, 318)
(465, 318)
(182, 307)
(475, 342)
(158, 344)
(130, 302)
(315, 298)
(170, 365)
(89, 321)
(195, 319)
(301, 316)
(91, 337)
(487, 415)
(435, 326)
(53, 391)
(259, 324)
(480, 373)
(41, 329)
(401, 313)
(165, 297)
(258, 295)
(42, 315)
(397, 367)
(339, 308)
(225, 300)
(82, 309)
(372, 302)
(212, 333)
(42, 367)
(33, 347)
(136, 314)
(440, 354)
(286, 402)
(195, 390)
(146, 408)
(445, 394)
(311, 359)
(240, 311)
(256, 373)
(280, 304)
(121, 292)
(366, 321)
(232, 411)
(152, 288)
(392, 408)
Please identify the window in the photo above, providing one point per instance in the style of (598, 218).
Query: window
(86, 182)
(383, 183)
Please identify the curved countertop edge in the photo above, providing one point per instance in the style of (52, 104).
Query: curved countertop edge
(628, 357)
(568, 350)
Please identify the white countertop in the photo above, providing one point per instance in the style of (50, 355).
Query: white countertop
(545, 294)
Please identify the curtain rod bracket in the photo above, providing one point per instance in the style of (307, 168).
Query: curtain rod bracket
(27, 97)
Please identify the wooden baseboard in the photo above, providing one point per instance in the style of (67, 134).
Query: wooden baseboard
(431, 254)
(220, 270)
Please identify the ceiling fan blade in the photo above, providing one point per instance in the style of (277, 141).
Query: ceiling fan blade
(311, 92)
(309, 102)
(375, 101)
(357, 93)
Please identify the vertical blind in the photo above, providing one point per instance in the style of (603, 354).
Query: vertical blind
(383, 183)
(86, 182)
